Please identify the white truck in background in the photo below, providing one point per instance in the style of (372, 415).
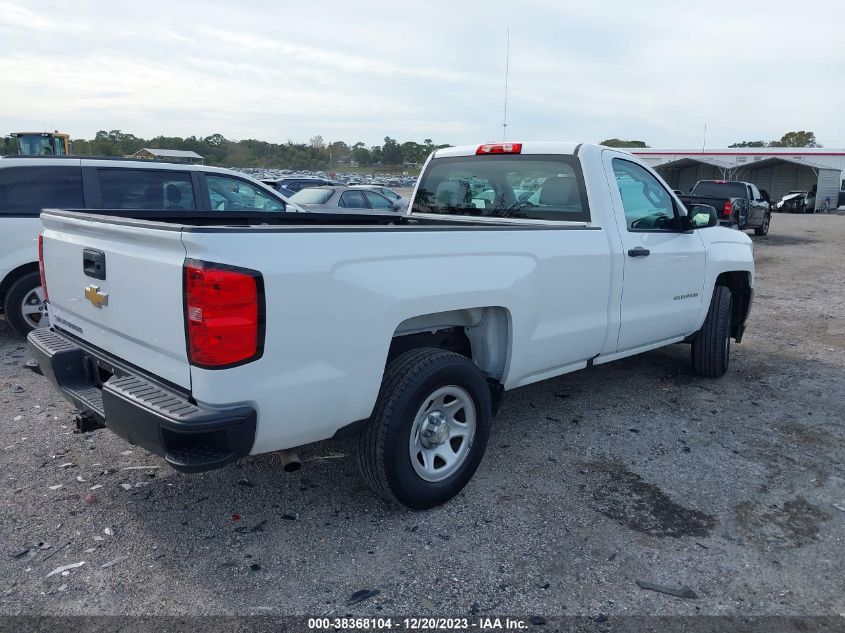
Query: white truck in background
(517, 262)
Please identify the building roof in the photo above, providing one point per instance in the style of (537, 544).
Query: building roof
(701, 160)
(779, 160)
(734, 151)
(169, 153)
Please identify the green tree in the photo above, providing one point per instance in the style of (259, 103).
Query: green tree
(796, 139)
(338, 151)
(361, 154)
(391, 152)
(750, 144)
(618, 142)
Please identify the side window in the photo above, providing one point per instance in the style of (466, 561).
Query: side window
(755, 193)
(146, 189)
(233, 194)
(390, 194)
(27, 190)
(378, 201)
(648, 206)
(353, 200)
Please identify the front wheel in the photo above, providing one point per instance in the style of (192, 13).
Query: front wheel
(711, 347)
(24, 304)
(429, 428)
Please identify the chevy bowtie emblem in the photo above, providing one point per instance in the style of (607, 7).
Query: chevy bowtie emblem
(97, 298)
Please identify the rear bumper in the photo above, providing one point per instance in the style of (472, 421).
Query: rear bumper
(142, 411)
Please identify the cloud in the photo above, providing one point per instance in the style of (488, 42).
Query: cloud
(360, 71)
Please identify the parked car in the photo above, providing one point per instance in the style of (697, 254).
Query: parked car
(792, 202)
(297, 183)
(274, 183)
(345, 200)
(740, 204)
(30, 184)
(230, 340)
(387, 193)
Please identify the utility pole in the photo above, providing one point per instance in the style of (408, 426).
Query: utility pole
(507, 69)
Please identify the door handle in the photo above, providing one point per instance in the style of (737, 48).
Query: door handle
(94, 263)
(638, 252)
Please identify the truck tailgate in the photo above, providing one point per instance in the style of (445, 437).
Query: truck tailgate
(132, 306)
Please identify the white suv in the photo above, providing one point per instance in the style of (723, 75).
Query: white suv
(145, 188)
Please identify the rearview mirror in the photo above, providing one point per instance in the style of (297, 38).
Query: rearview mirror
(703, 216)
(396, 206)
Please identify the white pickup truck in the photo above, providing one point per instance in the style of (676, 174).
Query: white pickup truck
(517, 262)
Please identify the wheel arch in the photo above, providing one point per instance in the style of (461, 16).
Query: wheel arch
(739, 283)
(12, 276)
(482, 334)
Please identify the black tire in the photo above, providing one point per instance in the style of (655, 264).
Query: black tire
(14, 299)
(764, 228)
(383, 450)
(711, 348)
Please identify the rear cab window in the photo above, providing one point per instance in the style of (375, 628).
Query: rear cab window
(716, 189)
(546, 187)
(28, 190)
(146, 189)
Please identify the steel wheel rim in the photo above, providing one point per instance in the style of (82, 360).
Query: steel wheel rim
(442, 433)
(34, 308)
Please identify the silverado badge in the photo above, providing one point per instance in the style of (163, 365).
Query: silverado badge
(97, 298)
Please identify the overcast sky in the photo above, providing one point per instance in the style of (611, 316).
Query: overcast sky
(356, 70)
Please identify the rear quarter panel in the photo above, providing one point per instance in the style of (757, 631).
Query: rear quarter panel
(334, 299)
(18, 242)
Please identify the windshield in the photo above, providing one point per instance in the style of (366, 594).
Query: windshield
(713, 189)
(539, 187)
(38, 145)
(312, 196)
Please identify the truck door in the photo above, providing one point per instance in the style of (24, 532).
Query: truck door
(663, 278)
(757, 206)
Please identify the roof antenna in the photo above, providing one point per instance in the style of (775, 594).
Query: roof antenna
(507, 68)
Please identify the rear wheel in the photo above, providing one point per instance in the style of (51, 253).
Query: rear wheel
(711, 348)
(24, 305)
(429, 428)
(764, 228)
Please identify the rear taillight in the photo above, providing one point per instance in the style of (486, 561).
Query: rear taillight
(41, 264)
(224, 314)
(728, 209)
(499, 148)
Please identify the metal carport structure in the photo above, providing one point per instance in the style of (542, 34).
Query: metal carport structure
(780, 175)
(683, 173)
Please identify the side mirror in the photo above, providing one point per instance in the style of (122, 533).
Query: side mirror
(396, 206)
(703, 216)
(765, 195)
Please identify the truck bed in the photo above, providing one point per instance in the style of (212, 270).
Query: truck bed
(179, 220)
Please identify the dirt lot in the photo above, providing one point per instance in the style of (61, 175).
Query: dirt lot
(593, 481)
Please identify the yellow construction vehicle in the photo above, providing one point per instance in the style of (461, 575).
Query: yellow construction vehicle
(38, 144)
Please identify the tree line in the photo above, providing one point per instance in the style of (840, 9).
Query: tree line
(790, 139)
(218, 150)
(317, 153)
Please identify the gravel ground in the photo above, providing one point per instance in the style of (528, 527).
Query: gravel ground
(592, 481)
